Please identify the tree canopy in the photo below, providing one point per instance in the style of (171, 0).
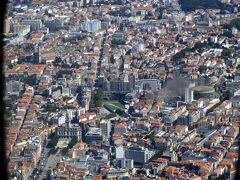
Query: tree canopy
(73, 142)
(191, 5)
(98, 97)
(235, 23)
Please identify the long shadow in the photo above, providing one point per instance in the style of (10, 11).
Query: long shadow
(3, 162)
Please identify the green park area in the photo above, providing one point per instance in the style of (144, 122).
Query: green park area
(113, 105)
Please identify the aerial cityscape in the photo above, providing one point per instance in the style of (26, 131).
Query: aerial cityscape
(122, 89)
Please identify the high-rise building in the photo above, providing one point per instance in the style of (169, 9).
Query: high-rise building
(138, 154)
(34, 24)
(92, 26)
(94, 135)
(105, 126)
(119, 152)
(21, 30)
(6, 26)
(125, 163)
(189, 93)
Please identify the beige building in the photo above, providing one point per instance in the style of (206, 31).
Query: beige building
(7, 23)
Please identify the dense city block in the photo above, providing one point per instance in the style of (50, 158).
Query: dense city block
(122, 89)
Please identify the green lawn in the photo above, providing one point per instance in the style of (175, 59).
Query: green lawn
(113, 105)
(117, 103)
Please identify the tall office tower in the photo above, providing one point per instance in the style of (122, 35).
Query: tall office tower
(6, 25)
(105, 126)
(92, 26)
(189, 93)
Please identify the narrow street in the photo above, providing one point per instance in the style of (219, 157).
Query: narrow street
(101, 54)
